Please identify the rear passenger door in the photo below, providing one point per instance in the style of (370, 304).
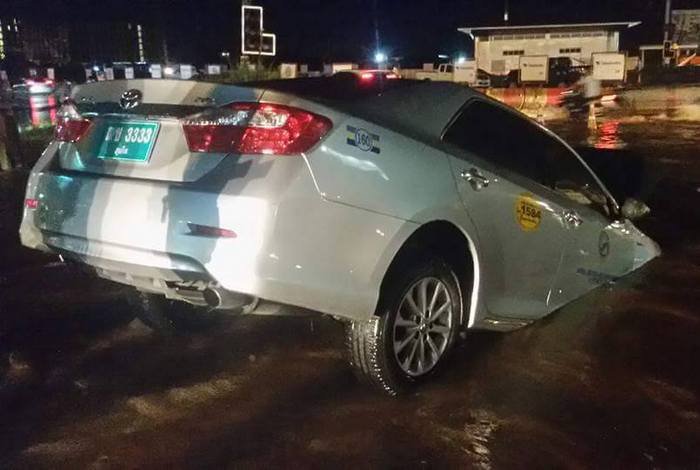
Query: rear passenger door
(500, 169)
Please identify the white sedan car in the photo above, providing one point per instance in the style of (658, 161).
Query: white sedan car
(409, 210)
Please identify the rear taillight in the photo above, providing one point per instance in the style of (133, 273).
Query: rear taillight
(70, 125)
(255, 128)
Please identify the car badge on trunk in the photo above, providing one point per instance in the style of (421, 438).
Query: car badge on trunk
(130, 99)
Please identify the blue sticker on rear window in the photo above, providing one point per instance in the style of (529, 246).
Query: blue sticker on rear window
(363, 140)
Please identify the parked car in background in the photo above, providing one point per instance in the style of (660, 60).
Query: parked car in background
(367, 77)
(409, 221)
(39, 85)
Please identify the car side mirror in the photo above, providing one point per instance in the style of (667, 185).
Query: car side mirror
(634, 209)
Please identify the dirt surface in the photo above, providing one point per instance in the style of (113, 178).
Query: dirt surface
(609, 381)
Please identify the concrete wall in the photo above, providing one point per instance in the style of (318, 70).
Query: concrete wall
(490, 50)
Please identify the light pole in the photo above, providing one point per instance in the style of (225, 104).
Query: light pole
(139, 41)
(667, 32)
(227, 55)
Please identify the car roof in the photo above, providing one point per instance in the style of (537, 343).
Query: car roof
(419, 109)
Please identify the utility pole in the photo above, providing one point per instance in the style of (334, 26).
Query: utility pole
(667, 32)
(258, 66)
(166, 59)
(377, 42)
(139, 42)
(159, 11)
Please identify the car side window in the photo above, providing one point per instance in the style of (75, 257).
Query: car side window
(573, 180)
(500, 138)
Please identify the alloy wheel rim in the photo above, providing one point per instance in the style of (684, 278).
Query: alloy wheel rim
(422, 326)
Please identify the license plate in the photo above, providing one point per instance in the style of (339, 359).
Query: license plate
(129, 141)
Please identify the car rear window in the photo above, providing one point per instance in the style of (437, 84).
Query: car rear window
(340, 88)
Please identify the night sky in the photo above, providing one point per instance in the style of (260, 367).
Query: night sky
(316, 30)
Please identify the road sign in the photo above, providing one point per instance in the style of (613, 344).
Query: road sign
(465, 72)
(686, 26)
(288, 71)
(186, 72)
(156, 71)
(254, 39)
(534, 68)
(609, 66)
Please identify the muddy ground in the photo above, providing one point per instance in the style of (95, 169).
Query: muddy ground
(609, 381)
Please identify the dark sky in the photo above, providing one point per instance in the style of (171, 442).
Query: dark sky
(345, 29)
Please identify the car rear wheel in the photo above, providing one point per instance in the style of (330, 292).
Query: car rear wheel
(413, 332)
(168, 316)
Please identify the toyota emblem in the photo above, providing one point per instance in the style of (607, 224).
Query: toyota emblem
(130, 99)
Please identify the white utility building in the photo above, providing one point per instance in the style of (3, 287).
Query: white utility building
(497, 49)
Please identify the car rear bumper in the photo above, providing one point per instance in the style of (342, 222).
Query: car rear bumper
(291, 246)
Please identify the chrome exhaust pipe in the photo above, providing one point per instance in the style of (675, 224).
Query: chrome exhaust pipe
(221, 299)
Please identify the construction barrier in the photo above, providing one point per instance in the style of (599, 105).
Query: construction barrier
(526, 99)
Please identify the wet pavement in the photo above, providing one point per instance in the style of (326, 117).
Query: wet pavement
(611, 380)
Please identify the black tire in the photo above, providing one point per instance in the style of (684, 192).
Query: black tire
(370, 344)
(168, 316)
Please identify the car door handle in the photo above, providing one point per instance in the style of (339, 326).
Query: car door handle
(476, 179)
(572, 218)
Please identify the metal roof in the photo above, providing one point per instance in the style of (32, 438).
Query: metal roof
(486, 30)
(659, 47)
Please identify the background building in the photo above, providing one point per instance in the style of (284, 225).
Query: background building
(9, 37)
(497, 49)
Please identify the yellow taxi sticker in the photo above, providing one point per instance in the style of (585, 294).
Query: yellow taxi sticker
(528, 213)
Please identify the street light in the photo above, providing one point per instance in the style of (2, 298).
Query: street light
(461, 59)
(227, 55)
(379, 57)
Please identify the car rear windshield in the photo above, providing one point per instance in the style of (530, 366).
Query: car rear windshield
(340, 88)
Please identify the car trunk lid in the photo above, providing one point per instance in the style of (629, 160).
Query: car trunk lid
(136, 129)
